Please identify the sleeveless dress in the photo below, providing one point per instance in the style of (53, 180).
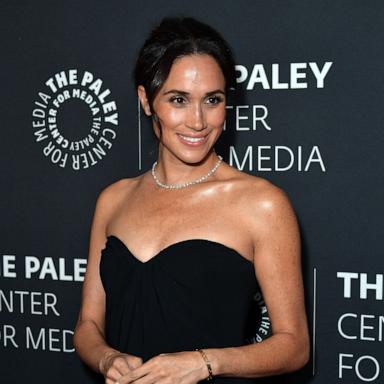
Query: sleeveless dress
(196, 293)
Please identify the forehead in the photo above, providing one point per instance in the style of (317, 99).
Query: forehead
(198, 70)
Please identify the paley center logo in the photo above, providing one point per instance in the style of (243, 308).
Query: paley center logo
(56, 114)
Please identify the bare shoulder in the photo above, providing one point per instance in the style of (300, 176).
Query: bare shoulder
(261, 200)
(269, 218)
(113, 194)
(265, 195)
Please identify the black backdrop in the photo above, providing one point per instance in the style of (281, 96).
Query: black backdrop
(309, 118)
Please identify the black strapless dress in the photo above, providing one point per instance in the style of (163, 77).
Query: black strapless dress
(193, 294)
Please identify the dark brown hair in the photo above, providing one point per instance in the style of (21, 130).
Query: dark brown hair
(173, 38)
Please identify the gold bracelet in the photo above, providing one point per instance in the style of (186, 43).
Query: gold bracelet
(207, 363)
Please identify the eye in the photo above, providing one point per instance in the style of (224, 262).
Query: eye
(214, 99)
(177, 100)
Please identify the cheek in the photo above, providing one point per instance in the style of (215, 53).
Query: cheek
(217, 117)
(170, 116)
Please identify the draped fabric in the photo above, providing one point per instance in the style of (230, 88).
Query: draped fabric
(196, 293)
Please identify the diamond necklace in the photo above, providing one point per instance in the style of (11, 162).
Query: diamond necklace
(188, 183)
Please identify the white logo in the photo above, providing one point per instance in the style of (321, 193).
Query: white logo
(93, 142)
(264, 329)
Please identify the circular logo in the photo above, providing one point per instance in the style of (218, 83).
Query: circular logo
(75, 119)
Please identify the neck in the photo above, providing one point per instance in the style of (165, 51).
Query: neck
(171, 170)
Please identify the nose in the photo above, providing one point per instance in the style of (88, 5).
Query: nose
(196, 118)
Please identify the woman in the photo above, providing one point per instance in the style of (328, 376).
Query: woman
(176, 253)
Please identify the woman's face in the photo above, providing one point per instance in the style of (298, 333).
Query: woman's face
(191, 108)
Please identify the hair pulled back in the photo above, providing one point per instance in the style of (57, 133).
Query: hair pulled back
(173, 38)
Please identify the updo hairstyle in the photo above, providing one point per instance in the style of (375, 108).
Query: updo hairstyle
(174, 38)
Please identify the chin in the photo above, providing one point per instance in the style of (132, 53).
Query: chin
(195, 158)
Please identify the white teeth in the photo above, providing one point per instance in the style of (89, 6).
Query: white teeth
(192, 139)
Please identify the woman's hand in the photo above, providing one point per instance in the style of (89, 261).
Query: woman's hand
(179, 368)
(115, 364)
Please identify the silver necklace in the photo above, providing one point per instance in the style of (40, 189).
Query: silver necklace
(188, 183)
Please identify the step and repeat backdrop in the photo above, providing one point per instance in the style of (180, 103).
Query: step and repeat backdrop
(307, 115)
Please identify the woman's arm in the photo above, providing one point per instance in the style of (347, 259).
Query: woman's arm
(89, 336)
(277, 261)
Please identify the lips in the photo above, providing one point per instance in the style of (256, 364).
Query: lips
(192, 139)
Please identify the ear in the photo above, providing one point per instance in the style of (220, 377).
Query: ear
(143, 100)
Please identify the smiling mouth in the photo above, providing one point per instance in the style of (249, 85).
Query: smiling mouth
(191, 139)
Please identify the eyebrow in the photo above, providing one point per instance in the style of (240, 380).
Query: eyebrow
(187, 93)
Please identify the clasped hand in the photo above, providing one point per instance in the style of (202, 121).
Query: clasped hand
(179, 367)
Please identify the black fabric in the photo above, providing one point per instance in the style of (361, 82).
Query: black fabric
(193, 294)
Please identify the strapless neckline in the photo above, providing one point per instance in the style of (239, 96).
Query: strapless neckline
(175, 245)
(162, 306)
